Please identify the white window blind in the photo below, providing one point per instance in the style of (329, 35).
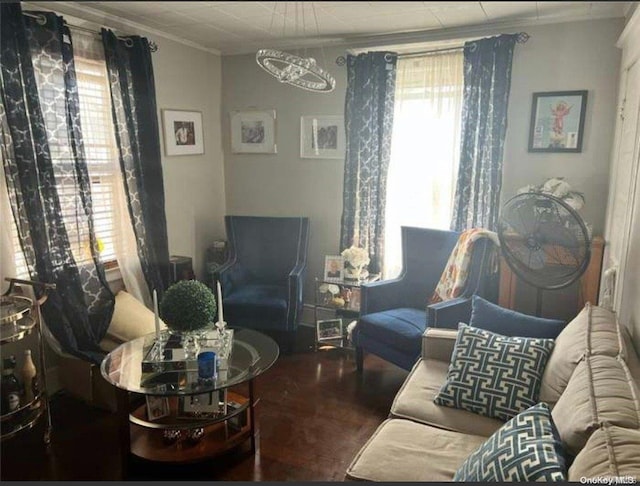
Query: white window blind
(101, 156)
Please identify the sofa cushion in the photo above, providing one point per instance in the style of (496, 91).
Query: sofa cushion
(131, 319)
(593, 331)
(494, 375)
(630, 354)
(526, 448)
(400, 328)
(402, 450)
(492, 317)
(610, 452)
(601, 389)
(414, 401)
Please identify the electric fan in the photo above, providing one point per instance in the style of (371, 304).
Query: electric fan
(544, 241)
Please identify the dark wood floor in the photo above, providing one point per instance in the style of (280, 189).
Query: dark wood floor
(314, 414)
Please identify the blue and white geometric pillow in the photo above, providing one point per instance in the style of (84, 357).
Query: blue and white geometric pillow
(526, 448)
(494, 375)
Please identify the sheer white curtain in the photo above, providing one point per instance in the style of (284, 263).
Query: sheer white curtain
(111, 216)
(424, 149)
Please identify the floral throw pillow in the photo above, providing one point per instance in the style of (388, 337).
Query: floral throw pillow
(526, 448)
(494, 375)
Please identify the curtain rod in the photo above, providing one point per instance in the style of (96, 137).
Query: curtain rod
(522, 38)
(42, 20)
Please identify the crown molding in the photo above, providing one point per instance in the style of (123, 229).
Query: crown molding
(101, 19)
(426, 36)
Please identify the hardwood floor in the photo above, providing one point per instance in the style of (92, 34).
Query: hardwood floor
(314, 414)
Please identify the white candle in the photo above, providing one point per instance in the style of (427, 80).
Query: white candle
(155, 312)
(220, 313)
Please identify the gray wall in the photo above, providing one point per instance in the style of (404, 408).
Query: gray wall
(579, 55)
(559, 57)
(284, 184)
(190, 79)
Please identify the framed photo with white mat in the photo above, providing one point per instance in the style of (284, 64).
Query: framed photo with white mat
(182, 132)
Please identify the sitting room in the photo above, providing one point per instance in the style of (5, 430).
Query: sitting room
(320, 241)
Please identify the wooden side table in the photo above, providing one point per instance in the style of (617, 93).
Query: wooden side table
(514, 292)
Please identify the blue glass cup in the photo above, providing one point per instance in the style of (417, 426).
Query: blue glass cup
(207, 365)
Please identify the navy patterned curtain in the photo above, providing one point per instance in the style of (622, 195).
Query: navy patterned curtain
(487, 80)
(133, 105)
(47, 179)
(371, 81)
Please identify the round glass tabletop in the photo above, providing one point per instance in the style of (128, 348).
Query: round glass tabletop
(130, 368)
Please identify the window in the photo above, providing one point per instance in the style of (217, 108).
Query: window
(424, 149)
(100, 150)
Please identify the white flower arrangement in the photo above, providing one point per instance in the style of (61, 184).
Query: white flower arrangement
(558, 187)
(329, 288)
(356, 257)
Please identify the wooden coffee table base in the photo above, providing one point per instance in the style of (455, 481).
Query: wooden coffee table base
(147, 442)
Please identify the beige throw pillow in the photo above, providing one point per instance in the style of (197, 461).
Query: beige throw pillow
(131, 319)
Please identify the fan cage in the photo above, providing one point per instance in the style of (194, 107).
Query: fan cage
(558, 274)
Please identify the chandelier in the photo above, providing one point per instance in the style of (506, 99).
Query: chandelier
(302, 72)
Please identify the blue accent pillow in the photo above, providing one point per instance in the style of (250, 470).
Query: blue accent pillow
(494, 375)
(526, 448)
(492, 317)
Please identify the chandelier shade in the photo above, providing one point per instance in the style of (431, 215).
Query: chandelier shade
(295, 70)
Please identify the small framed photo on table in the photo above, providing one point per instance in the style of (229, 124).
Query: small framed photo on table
(183, 132)
(557, 121)
(333, 267)
(329, 329)
(354, 301)
(205, 404)
(157, 407)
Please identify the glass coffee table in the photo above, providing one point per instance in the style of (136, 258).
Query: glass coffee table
(168, 415)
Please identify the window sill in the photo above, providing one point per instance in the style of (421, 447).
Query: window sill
(113, 274)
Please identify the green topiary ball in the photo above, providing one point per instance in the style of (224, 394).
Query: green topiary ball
(188, 305)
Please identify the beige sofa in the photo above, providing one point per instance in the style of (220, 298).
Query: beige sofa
(591, 382)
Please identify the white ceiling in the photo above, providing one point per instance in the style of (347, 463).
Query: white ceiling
(243, 26)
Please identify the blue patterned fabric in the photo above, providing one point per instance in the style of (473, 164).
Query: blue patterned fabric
(371, 81)
(491, 317)
(494, 375)
(487, 80)
(47, 178)
(135, 120)
(527, 448)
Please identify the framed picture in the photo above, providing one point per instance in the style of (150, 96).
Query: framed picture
(205, 404)
(253, 132)
(322, 137)
(329, 329)
(333, 267)
(182, 132)
(157, 407)
(354, 300)
(557, 121)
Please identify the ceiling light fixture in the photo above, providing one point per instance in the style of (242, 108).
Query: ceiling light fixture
(302, 72)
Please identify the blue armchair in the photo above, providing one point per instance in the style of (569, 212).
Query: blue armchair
(262, 279)
(394, 313)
